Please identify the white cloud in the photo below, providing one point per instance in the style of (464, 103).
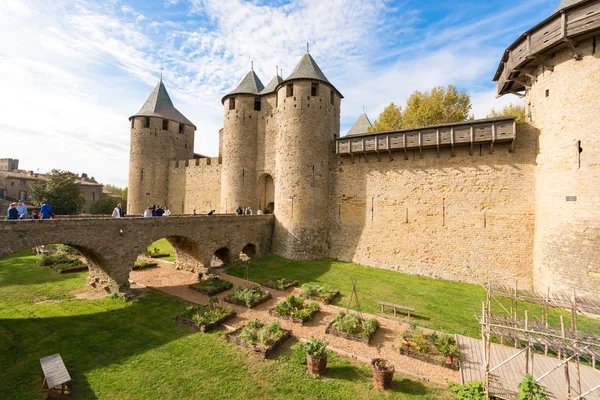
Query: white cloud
(73, 72)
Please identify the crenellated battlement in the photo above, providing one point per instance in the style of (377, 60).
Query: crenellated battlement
(196, 162)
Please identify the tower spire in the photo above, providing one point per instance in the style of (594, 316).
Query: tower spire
(161, 72)
(307, 47)
(252, 65)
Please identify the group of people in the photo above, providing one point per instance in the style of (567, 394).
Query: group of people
(19, 211)
(157, 211)
(248, 211)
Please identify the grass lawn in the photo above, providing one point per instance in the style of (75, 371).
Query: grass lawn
(440, 304)
(164, 247)
(134, 350)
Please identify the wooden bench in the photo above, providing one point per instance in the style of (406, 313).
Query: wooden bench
(55, 373)
(396, 307)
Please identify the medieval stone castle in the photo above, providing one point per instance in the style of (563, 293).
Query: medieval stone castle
(474, 201)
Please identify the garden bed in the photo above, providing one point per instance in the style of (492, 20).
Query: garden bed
(295, 309)
(211, 285)
(209, 317)
(142, 264)
(319, 293)
(63, 263)
(159, 255)
(248, 337)
(279, 283)
(430, 347)
(68, 268)
(249, 297)
(352, 327)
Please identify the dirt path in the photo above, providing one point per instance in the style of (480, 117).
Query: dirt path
(384, 344)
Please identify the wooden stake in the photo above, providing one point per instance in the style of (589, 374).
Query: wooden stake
(566, 366)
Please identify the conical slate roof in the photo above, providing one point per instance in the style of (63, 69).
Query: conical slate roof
(272, 85)
(361, 125)
(567, 3)
(307, 68)
(249, 85)
(159, 105)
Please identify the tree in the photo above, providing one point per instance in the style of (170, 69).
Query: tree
(390, 119)
(514, 110)
(114, 189)
(441, 106)
(60, 190)
(106, 205)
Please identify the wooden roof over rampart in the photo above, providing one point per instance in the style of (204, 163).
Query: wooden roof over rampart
(564, 28)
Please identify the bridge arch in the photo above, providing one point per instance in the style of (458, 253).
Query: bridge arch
(221, 257)
(249, 250)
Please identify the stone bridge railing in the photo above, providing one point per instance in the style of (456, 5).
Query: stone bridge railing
(111, 245)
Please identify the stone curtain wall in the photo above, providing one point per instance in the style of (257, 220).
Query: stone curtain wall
(468, 217)
(111, 245)
(195, 185)
(565, 106)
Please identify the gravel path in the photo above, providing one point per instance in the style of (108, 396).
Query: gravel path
(385, 342)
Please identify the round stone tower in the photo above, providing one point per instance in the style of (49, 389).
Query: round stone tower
(160, 135)
(556, 66)
(308, 121)
(239, 135)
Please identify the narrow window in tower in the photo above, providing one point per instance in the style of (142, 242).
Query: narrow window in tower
(181, 128)
(314, 89)
(547, 92)
(147, 122)
(232, 103)
(331, 97)
(289, 90)
(579, 151)
(132, 121)
(257, 104)
(165, 124)
(594, 45)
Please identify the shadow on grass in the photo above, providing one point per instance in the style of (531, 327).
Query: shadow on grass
(17, 269)
(406, 385)
(86, 342)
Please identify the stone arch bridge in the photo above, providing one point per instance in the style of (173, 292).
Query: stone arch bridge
(111, 245)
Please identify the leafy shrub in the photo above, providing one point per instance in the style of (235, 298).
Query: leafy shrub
(141, 264)
(60, 261)
(324, 293)
(530, 389)
(248, 296)
(417, 340)
(278, 283)
(213, 284)
(316, 347)
(383, 365)
(354, 325)
(296, 307)
(468, 391)
(202, 315)
(257, 332)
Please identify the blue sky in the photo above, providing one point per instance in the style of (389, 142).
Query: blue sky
(72, 72)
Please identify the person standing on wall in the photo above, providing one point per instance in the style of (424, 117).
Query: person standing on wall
(22, 209)
(12, 212)
(118, 212)
(46, 211)
(148, 212)
(248, 211)
(167, 212)
(159, 211)
(238, 210)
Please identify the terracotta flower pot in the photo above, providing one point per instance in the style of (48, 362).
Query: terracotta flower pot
(382, 378)
(316, 365)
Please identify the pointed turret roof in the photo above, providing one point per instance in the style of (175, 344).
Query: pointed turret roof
(249, 85)
(567, 3)
(361, 125)
(307, 68)
(270, 88)
(159, 105)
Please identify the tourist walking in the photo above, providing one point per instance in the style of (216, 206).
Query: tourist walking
(259, 212)
(46, 211)
(167, 212)
(248, 211)
(148, 212)
(12, 212)
(22, 209)
(159, 211)
(118, 212)
(238, 210)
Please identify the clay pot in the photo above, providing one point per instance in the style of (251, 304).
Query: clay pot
(316, 365)
(382, 379)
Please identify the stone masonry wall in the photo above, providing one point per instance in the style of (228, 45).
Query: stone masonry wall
(468, 217)
(565, 106)
(195, 185)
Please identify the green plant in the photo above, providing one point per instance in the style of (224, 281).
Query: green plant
(354, 325)
(316, 347)
(296, 307)
(530, 389)
(60, 261)
(202, 315)
(383, 365)
(256, 331)
(468, 391)
(213, 284)
(248, 296)
(324, 293)
(213, 302)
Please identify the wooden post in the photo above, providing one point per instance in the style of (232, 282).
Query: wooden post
(566, 366)
(486, 379)
(574, 329)
(527, 351)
